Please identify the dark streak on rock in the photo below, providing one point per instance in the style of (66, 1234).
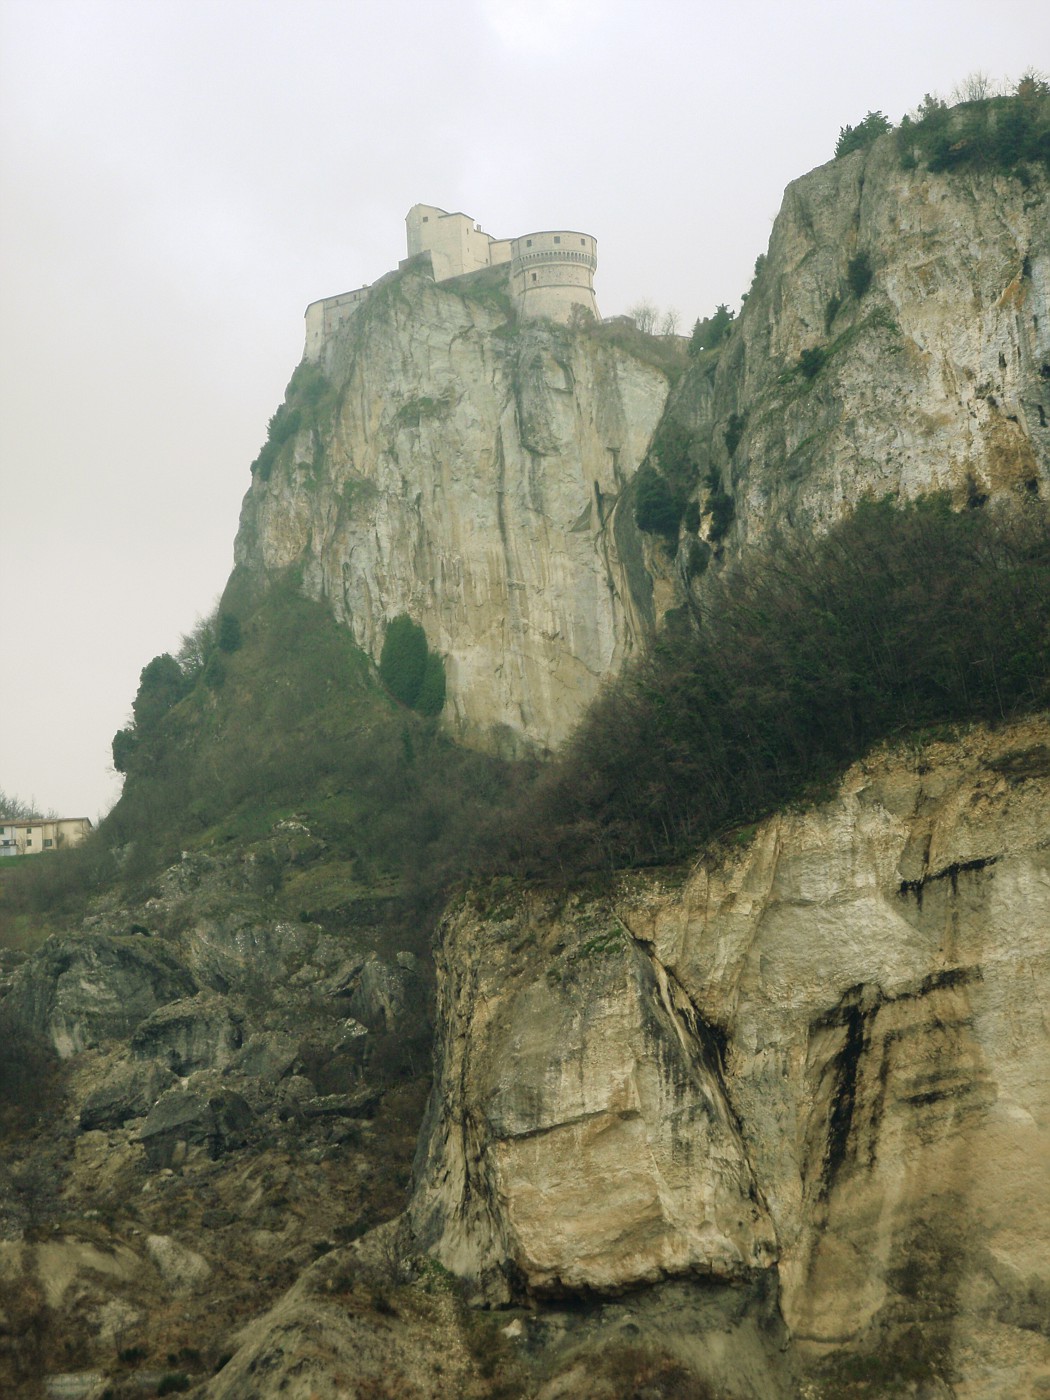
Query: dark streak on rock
(950, 872)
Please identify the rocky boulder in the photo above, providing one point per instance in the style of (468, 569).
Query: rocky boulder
(185, 1118)
(129, 1090)
(191, 1034)
(82, 989)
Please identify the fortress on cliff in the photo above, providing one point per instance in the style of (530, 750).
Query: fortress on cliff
(550, 273)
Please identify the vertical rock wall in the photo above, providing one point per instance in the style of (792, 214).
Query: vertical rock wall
(471, 479)
(824, 1055)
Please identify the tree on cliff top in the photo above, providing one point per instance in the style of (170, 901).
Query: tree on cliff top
(855, 138)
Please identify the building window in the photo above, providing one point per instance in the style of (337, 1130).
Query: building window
(583, 242)
(557, 239)
(426, 218)
(29, 840)
(528, 243)
(534, 277)
(47, 843)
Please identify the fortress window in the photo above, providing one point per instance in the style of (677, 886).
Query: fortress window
(426, 218)
(534, 277)
(557, 239)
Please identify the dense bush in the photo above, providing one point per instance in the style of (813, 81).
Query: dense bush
(859, 274)
(855, 138)
(299, 725)
(998, 133)
(409, 670)
(229, 638)
(308, 396)
(162, 684)
(811, 362)
(710, 332)
(431, 697)
(800, 660)
(734, 432)
(657, 509)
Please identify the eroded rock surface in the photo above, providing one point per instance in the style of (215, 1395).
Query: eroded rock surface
(581, 1137)
(471, 479)
(934, 378)
(839, 1027)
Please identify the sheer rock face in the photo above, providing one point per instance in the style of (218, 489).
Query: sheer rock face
(937, 377)
(826, 1054)
(582, 1139)
(470, 479)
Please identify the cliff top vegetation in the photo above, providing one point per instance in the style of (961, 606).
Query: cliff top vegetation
(979, 126)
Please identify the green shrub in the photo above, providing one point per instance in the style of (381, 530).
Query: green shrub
(855, 138)
(124, 741)
(403, 659)
(1004, 133)
(657, 509)
(162, 684)
(308, 397)
(431, 697)
(214, 672)
(803, 658)
(229, 638)
(859, 273)
(734, 432)
(811, 362)
(710, 332)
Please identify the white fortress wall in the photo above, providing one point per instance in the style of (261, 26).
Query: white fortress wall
(551, 272)
(499, 251)
(416, 220)
(456, 244)
(325, 317)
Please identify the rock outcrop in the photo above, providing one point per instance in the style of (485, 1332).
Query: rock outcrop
(933, 376)
(773, 1124)
(470, 477)
(581, 1138)
(821, 1054)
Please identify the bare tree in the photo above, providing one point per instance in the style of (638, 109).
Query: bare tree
(15, 810)
(645, 316)
(975, 87)
(669, 324)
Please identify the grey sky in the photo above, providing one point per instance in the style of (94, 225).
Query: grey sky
(180, 179)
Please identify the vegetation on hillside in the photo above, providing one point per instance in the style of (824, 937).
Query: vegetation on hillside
(411, 672)
(301, 727)
(998, 133)
(797, 662)
(981, 127)
(308, 398)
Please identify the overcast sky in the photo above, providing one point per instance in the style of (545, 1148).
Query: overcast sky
(181, 177)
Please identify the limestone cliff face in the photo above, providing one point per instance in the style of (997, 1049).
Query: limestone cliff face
(937, 377)
(823, 1054)
(470, 478)
(471, 470)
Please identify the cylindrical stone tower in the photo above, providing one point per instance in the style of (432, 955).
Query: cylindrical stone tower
(552, 272)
